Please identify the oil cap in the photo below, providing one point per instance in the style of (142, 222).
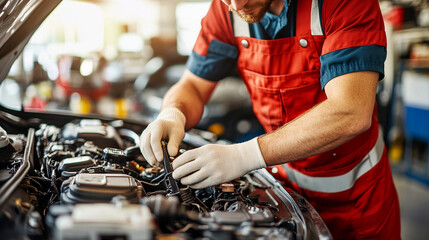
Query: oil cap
(6, 148)
(4, 140)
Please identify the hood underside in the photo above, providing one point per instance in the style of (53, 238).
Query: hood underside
(19, 19)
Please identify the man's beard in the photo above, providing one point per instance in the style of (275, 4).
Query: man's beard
(251, 18)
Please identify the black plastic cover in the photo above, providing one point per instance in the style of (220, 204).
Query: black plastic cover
(76, 163)
(114, 155)
(102, 135)
(91, 188)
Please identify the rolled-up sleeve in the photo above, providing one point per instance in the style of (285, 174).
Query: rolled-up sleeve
(355, 38)
(220, 61)
(214, 55)
(354, 59)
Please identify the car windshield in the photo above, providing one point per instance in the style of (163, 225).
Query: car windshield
(104, 57)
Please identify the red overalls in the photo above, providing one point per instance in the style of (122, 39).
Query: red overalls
(350, 186)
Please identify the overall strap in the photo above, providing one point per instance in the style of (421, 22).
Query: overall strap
(308, 18)
(316, 24)
(239, 26)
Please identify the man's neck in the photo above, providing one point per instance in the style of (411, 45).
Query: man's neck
(276, 7)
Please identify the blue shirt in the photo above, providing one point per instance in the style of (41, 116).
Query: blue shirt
(273, 23)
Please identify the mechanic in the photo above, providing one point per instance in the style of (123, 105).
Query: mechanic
(311, 68)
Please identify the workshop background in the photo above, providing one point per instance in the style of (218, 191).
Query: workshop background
(119, 57)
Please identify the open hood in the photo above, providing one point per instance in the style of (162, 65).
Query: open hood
(19, 19)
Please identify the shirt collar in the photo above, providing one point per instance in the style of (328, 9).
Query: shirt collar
(274, 22)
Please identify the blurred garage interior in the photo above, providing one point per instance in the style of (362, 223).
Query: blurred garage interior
(114, 58)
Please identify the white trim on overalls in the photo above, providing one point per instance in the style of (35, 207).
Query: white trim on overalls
(342, 182)
(241, 27)
(316, 25)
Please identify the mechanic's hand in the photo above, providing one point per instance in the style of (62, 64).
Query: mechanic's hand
(214, 164)
(170, 126)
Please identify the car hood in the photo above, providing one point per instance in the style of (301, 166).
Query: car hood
(19, 19)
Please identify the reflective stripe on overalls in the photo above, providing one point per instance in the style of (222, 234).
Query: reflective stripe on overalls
(346, 184)
(342, 182)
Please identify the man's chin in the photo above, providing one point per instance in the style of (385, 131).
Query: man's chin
(246, 17)
(249, 18)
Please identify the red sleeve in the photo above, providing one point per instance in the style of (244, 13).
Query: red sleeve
(216, 25)
(352, 23)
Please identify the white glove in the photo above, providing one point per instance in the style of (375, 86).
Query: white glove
(214, 164)
(170, 126)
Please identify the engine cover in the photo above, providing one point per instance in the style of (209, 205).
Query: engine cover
(88, 188)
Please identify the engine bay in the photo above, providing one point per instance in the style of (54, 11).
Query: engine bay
(88, 180)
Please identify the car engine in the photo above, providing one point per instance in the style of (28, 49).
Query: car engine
(88, 180)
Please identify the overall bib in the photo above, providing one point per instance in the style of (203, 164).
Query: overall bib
(350, 186)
